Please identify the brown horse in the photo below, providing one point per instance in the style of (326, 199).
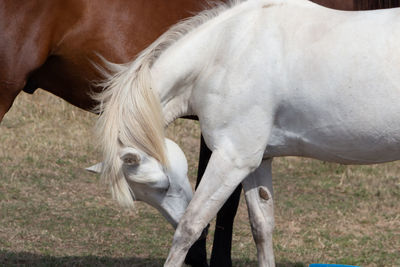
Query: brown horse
(51, 44)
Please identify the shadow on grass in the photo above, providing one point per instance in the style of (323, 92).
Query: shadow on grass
(8, 258)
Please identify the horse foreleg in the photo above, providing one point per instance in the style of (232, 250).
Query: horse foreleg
(221, 251)
(8, 93)
(222, 176)
(259, 198)
(18, 63)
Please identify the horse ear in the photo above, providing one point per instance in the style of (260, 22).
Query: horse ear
(95, 168)
(131, 158)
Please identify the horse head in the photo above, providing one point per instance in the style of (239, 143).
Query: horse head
(166, 188)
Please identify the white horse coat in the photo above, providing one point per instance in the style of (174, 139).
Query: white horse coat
(303, 79)
(271, 78)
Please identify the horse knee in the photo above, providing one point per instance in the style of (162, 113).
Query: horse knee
(187, 232)
(189, 229)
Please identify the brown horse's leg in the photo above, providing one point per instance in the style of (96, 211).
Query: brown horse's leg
(221, 253)
(197, 254)
(8, 93)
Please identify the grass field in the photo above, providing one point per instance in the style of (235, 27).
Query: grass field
(53, 213)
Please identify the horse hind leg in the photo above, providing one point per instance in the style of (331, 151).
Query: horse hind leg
(259, 198)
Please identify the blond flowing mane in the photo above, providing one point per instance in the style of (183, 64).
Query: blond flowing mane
(130, 110)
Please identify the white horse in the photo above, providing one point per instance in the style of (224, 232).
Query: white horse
(166, 188)
(266, 78)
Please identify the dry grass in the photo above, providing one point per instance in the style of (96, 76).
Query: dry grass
(54, 213)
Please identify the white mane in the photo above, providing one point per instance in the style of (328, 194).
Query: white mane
(130, 111)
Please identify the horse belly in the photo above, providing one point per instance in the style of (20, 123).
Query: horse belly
(362, 149)
(359, 129)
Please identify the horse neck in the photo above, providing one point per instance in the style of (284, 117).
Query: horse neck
(175, 73)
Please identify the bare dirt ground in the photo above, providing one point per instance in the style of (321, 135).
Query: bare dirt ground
(53, 213)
